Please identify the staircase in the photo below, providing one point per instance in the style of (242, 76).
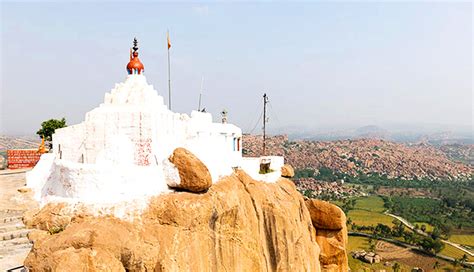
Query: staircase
(14, 244)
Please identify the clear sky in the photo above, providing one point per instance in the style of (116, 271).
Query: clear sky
(323, 65)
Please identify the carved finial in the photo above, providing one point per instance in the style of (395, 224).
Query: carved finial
(135, 45)
(134, 66)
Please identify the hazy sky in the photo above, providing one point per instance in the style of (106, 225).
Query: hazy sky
(322, 64)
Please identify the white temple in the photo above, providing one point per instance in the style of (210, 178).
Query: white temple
(120, 152)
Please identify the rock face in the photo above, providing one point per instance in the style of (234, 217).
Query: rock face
(325, 215)
(287, 171)
(194, 175)
(331, 234)
(239, 224)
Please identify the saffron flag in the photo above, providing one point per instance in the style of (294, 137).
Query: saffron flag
(169, 42)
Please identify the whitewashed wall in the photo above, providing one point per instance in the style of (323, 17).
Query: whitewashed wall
(120, 147)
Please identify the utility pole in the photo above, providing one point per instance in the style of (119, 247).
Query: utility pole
(265, 101)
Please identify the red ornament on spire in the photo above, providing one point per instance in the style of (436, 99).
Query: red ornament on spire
(135, 66)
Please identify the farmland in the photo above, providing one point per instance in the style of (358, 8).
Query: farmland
(454, 253)
(368, 211)
(463, 239)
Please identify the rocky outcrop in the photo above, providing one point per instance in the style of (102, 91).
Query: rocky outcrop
(52, 217)
(331, 234)
(325, 215)
(239, 224)
(287, 171)
(194, 175)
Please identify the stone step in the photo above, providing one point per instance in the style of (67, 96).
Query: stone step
(15, 249)
(11, 219)
(14, 234)
(10, 213)
(11, 226)
(18, 242)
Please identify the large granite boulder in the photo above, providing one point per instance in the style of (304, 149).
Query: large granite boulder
(287, 171)
(193, 173)
(331, 234)
(325, 215)
(239, 224)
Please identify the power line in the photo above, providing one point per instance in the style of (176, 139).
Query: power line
(253, 117)
(256, 124)
(274, 114)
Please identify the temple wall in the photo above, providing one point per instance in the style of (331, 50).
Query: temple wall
(120, 150)
(107, 184)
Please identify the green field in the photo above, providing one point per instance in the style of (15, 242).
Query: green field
(371, 203)
(454, 252)
(357, 243)
(463, 239)
(366, 218)
(368, 211)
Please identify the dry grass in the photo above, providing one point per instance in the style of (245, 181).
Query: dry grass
(454, 252)
(463, 239)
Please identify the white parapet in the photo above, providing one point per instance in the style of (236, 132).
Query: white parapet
(252, 167)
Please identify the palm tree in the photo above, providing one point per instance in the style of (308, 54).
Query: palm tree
(436, 265)
(372, 247)
(456, 262)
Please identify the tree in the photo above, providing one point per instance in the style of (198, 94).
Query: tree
(423, 227)
(436, 265)
(48, 127)
(372, 247)
(435, 234)
(396, 267)
(431, 245)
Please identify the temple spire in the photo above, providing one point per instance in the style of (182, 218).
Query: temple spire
(135, 66)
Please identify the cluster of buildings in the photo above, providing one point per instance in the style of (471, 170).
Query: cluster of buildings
(352, 157)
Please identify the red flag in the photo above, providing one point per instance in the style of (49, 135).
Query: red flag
(169, 42)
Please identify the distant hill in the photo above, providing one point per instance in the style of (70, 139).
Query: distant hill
(376, 132)
(366, 156)
(18, 142)
(372, 132)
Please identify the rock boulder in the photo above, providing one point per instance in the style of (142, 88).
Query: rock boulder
(325, 215)
(194, 175)
(287, 171)
(331, 234)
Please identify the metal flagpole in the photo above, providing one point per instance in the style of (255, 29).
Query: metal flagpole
(265, 101)
(200, 93)
(169, 70)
